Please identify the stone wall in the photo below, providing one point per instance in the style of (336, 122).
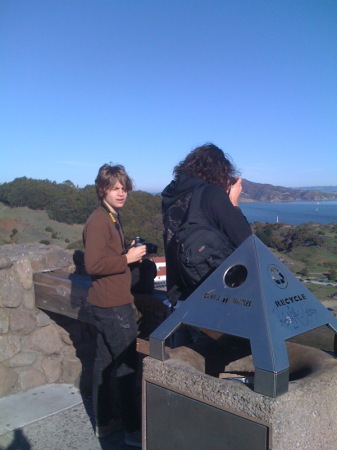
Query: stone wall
(37, 347)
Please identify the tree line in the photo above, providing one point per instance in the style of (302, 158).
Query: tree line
(63, 202)
(67, 203)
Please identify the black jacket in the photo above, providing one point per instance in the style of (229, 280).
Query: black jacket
(215, 205)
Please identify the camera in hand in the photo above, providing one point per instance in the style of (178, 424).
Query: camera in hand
(150, 248)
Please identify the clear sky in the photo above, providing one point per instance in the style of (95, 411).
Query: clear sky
(143, 82)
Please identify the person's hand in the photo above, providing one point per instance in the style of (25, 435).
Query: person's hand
(135, 254)
(235, 192)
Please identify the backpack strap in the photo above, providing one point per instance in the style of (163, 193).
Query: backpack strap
(194, 215)
(194, 211)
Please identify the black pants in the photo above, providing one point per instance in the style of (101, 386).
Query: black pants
(115, 367)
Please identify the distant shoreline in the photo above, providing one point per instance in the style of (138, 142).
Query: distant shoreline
(291, 213)
(249, 200)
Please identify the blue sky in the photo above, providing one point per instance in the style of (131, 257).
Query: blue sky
(143, 82)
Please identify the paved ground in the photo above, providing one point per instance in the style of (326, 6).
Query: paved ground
(49, 419)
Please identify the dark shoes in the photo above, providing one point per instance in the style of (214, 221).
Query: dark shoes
(133, 438)
(104, 430)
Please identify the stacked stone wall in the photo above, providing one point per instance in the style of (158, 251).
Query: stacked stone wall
(36, 347)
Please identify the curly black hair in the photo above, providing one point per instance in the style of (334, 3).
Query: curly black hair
(210, 163)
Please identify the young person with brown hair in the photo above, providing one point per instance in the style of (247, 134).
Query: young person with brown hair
(107, 262)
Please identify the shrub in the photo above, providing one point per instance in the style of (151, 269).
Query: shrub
(45, 242)
(77, 245)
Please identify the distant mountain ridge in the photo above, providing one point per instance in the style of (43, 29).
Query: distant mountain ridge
(329, 189)
(258, 192)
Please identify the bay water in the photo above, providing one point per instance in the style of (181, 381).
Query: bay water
(292, 213)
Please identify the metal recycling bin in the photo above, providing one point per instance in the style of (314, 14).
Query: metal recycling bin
(253, 296)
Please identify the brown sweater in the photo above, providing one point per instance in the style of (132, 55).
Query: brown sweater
(105, 263)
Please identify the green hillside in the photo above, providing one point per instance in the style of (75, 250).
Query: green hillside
(308, 250)
(67, 207)
(23, 225)
(141, 217)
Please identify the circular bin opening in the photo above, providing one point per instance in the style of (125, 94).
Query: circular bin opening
(235, 276)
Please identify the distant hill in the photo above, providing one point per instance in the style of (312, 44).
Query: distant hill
(329, 189)
(258, 192)
(22, 225)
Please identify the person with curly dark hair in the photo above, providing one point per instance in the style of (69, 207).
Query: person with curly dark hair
(219, 204)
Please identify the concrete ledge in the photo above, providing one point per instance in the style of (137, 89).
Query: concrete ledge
(304, 417)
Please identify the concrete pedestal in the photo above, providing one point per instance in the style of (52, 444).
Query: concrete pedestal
(184, 408)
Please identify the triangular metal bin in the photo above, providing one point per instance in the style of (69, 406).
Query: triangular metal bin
(254, 296)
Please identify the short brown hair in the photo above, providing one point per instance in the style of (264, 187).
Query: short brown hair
(108, 176)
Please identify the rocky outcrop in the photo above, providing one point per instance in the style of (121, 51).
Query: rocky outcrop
(36, 348)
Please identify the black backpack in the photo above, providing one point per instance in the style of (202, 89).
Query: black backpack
(197, 247)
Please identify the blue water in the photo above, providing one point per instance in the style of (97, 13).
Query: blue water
(293, 213)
